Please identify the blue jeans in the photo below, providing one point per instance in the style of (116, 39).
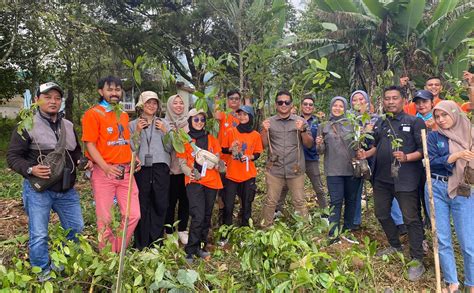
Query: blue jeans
(460, 210)
(342, 189)
(396, 213)
(38, 207)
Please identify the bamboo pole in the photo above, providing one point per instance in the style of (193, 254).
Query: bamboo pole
(125, 226)
(426, 161)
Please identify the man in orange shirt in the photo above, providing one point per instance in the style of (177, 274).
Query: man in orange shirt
(226, 121)
(107, 140)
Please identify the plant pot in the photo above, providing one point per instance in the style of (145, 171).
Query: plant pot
(361, 169)
(394, 168)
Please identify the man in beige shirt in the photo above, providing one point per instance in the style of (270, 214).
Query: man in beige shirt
(285, 135)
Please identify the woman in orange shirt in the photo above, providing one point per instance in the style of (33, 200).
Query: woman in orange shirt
(202, 183)
(245, 146)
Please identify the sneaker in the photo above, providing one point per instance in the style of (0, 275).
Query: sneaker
(389, 251)
(203, 254)
(183, 237)
(335, 240)
(189, 258)
(44, 276)
(350, 238)
(416, 270)
(402, 229)
(222, 242)
(277, 214)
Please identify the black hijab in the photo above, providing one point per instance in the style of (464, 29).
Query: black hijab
(201, 139)
(247, 127)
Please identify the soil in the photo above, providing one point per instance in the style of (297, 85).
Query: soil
(13, 219)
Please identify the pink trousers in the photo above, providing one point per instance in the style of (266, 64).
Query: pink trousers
(105, 189)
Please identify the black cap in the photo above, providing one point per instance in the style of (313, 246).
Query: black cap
(423, 94)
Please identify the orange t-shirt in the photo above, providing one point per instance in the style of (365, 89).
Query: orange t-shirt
(212, 178)
(226, 121)
(111, 138)
(250, 143)
(410, 108)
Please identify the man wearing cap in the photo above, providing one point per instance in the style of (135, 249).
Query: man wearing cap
(285, 135)
(107, 140)
(153, 179)
(25, 154)
(244, 146)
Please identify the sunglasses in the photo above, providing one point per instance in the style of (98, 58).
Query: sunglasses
(197, 119)
(233, 98)
(287, 102)
(308, 104)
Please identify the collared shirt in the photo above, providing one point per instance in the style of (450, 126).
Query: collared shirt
(408, 128)
(310, 154)
(287, 157)
(438, 151)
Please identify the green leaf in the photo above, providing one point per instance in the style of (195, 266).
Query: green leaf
(160, 272)
(411, 15)
(322, 4)
(444, 6)
(48, 287)
(138, 280)
(329, 26)
(137, 76)
(187, 277)
(334, 74)
(127, 63)
(376, 8)
(177, 144)
(457, 32)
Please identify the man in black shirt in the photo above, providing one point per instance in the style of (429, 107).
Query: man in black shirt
(398, 128)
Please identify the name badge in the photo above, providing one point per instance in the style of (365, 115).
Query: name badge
(406, 128)
(204, 169)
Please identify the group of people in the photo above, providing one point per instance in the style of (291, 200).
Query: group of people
(216, 169)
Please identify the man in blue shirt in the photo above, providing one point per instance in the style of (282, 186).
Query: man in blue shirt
(311, 156)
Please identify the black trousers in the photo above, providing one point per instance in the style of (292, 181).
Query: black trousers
(177, 194)
(201, 202)
(246, 191)
(153, 184)
(411, 210)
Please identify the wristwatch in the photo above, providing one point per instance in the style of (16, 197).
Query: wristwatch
(29, 171)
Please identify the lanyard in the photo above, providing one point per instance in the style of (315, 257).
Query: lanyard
(148, 140)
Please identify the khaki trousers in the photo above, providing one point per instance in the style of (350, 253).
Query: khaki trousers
(274, 188)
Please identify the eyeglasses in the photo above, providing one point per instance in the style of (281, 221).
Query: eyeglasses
(287, 102)
(308, 104)
(233, 98)
(197, 119)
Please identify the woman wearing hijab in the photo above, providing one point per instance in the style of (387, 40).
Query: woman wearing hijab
(332, 141)
(449, 152)
(153, 177)
(201, 182)
(360, 104)
(177, 117)
(245, 146)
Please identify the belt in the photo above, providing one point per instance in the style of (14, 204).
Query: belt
(439, 177)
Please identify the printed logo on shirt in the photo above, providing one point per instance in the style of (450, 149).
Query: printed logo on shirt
(440, 144)
(110, 130)
(118, 142)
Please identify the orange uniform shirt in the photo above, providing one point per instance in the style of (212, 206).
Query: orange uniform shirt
(226, 121)
(410, 108)
(212, 178)
(250, 143)
(111, 137)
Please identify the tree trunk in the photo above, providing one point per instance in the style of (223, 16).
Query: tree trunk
(68, 109)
